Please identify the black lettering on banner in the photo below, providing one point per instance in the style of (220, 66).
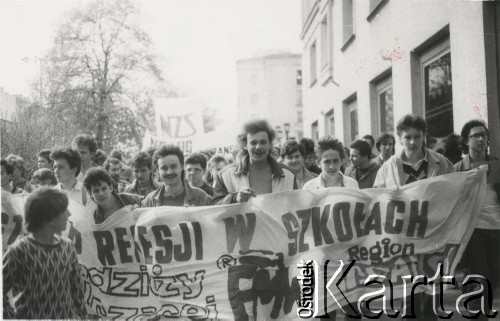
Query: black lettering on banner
(121, 313)
(145, 244)
(137, 247)
(359, 216)
(417, 218)
(179, 255)
(198, 240)
(394, 226)
(161, 231)
(374, 221)
(105, 246)
(125, 284)
(161, 286)
(241, 229)
(319, 225)
(194, 285)
(264, 289)
(305, 216)
(123, 245)
(291, 225)
(342, 222)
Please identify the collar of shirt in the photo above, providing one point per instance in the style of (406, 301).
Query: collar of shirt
(417, 165)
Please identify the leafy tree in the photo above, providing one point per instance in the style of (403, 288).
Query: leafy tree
(101, 73)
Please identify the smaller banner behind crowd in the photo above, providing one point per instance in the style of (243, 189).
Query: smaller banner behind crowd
(239, 262)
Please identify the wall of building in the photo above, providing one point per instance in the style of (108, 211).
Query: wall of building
(267, 88)
(392, 42)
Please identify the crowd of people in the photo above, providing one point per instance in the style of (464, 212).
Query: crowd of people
(164, 176)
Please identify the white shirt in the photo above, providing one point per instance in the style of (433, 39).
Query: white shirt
(77, 193)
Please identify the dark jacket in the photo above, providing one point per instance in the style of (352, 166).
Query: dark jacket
(367, 180)
(194, 197)
(466, 165)
(134, 187)
(233, 177)
(123, 198)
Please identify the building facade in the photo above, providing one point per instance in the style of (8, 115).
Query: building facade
(270, 87)
(366, 63)
(9, 104)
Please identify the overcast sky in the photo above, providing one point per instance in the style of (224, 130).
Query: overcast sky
(200, 40)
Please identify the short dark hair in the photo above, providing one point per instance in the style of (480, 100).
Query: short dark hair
(326, 143)
(197, 159)
(362, 147)
(85, 140)
(291, 146)
(95, 175)
(45, 174)
(253, 127)
(9, 168)
(411, 121)
(45, 153)
(308, 145)
(100, 157)
(142, 159)
(165, 150)
(43, 206)
(383, 138)
(466, 131)
(370, 137)
(110, 161)
(116, 154)
(18, 162)
(217, 159)
(71, 156)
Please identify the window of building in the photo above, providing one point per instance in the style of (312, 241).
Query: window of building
(329, 123)
(434, 89)
(324, 42)
(253, 100)
(314, 131)
(347, 20)
(299, 77)
(351, 132)
(375, 6)
(300, 117)
(312, 57)
(382, 105)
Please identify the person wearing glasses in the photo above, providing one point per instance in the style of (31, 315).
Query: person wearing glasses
(482, 255)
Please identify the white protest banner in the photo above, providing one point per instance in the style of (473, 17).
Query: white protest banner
(239, 262)
(178, 120)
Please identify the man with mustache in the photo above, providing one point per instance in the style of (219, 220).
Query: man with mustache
(175, 191)
(257, 172)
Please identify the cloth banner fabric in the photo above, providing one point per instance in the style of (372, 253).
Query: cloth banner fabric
(239, 262)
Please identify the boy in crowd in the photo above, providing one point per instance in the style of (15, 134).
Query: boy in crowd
(330, 153)
(196, 166)
(175, 191)
(363, 170)
(293, 154)
(67, 166)
(144, 182)
(415, 162)
(86, 145)
(7, 170)
(43, 177)
(42, 269)
(257, 172)
(310, 158)
(43, 159)
(385, 146)
(215, 165)
(482, 255)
